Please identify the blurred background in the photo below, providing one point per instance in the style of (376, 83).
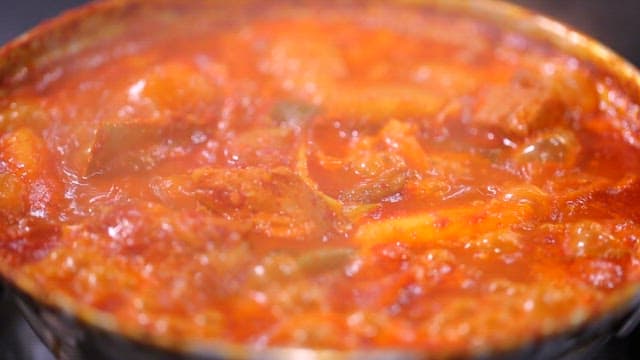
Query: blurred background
(615, 23)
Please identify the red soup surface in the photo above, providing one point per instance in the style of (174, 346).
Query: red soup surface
(345, 177)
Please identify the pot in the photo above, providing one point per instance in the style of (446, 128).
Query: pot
(74, 332)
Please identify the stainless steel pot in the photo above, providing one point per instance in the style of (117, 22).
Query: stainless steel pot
(74, 332)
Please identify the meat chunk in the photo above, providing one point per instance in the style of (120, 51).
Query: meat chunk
(374, 167)
(266, 147)
(520, 107)
(138, 146)
(380, 175)
(277, 202)
(154, 115)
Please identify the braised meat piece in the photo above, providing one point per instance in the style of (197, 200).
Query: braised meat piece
(519, 107)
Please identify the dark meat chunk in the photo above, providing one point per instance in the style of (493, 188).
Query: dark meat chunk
(518, 108)
(114, 140)
(139, 146)
(154, 118)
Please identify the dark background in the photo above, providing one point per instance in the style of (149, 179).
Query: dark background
(615, 23)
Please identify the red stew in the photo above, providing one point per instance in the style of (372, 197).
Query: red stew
(346, 177)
